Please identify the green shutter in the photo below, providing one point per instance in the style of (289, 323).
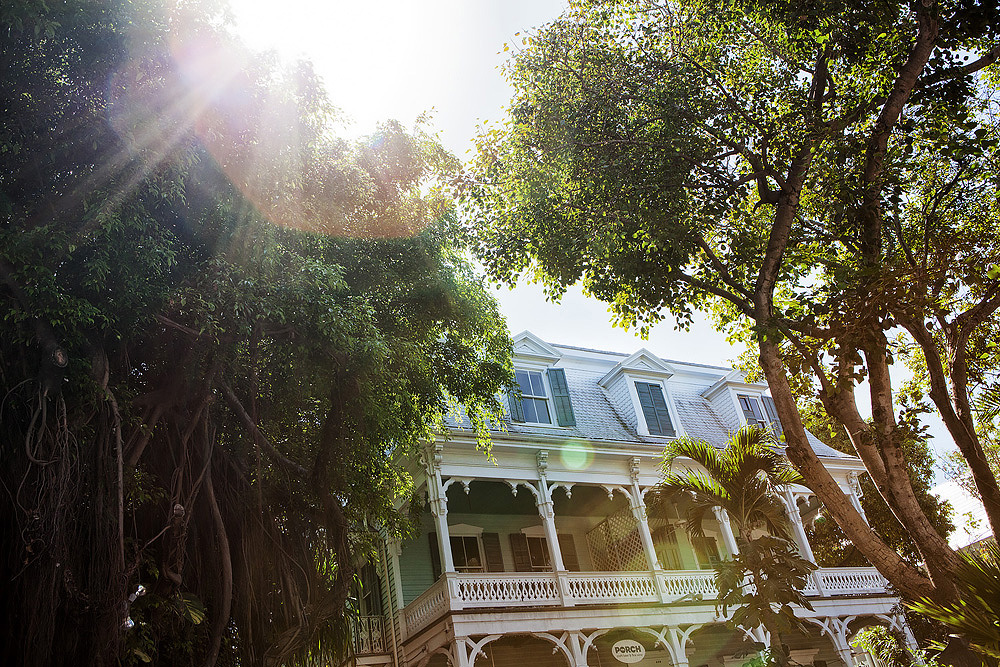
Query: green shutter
(516, 411)
(646, 403)
(662, 414)
(560, 397)
(519, 549)
(772, 414)
(654, 409)
(568, 549)
(492, 553)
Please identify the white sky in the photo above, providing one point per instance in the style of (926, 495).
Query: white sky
(402, 58)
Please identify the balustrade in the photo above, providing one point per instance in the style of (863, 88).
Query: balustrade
(457, 591)
(506, 589)
(601, 587)
(368, 635)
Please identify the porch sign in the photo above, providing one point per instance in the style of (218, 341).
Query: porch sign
(628, 650)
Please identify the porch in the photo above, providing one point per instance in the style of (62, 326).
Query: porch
(457, 591)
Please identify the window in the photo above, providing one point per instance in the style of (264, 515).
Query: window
(370, 598)
(707, 551)
(667, 550)
(466, 554)
(538, 553)
(754, 416)
(654, 409)
(534, 401)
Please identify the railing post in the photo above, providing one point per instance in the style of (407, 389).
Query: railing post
(454, 599)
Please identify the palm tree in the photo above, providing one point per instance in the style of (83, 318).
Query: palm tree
(976, 617)
(745, 480)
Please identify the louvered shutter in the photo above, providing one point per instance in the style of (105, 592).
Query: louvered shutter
(560, 397)
(646, 403)
(519, 549)
(772, 414)
(751, 411)
(660, 406)
(514, 403)
(435, 556)
(654, 409)
(568, 548)
(492, 553)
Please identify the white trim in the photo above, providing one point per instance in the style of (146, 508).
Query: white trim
(464, 530)
(534, 349)
(653, 368)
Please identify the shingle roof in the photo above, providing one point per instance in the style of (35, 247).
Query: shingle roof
(598, 420)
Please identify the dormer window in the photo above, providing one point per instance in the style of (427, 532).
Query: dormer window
(534, 400)
(755, 417)
(751, 411)
(535, 405)
(654, 409)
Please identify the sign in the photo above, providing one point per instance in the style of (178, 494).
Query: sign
(628, 650)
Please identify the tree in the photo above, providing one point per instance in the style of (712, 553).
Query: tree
(745, 480)
(821, 176)
(830, 546)
(219, 326)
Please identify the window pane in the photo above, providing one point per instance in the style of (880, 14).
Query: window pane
(537, 388)
(528, 405)
(458, 551)
(523, 382)
(473, 561)
(541, 411)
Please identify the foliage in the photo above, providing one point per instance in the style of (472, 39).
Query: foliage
(745, 480)
(822, 176)
(830, 546)
(220, 324)
(976, 616)
(882, 644)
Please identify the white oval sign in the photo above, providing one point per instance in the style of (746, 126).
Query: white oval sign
(628, 650)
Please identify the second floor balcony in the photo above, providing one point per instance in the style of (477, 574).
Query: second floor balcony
(456, 591)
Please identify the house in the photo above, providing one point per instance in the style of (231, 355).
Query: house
(549, 555)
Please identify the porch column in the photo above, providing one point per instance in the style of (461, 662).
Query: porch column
(837, 629)
(638, 507)
(438, 500)
(801, 539)
(676, 641)
(578, 646)
(798, 530)
(460, 652)
(911, 642)
(854, 484)
(543, 501)
(728, 537)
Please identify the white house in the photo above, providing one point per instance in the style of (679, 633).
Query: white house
(548, 555)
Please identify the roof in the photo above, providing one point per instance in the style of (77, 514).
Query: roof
(599, 420)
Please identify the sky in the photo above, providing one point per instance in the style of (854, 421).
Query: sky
(394, 59)
(402, 59)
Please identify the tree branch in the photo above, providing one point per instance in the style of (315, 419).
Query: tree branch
(258, 437)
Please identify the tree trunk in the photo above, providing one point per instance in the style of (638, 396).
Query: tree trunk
(903, 576)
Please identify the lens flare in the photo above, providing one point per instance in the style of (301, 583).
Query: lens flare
(267, 127)
(576, 455)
